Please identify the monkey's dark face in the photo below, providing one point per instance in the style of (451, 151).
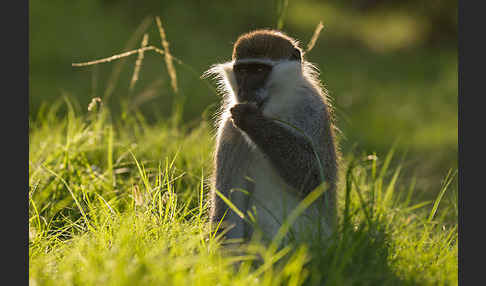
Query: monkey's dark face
(251, 78)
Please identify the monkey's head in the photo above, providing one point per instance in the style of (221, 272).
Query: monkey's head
(255, 55)
(266, 44)
(262, 60)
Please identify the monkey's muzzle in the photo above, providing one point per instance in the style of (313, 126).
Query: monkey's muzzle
(257, 96)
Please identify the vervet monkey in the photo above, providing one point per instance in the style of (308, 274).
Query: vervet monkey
(273, 162)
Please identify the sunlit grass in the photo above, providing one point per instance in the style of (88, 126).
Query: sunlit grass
(124, 203)
(118, 201)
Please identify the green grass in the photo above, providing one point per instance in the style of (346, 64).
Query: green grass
(123, 202)
(118, 194)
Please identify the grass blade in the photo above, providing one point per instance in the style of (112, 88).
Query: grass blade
(446, 184)
(230, 204)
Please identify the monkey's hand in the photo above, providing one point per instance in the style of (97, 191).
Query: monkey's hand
(244, 114)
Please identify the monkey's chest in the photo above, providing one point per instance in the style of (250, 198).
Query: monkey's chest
(272, 200)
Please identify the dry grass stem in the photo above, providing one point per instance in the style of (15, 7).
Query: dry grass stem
(94, 102)
(168, 56)
(115, 74)
(138, 63)
(282, 11)
(313, 40)
(118, 56)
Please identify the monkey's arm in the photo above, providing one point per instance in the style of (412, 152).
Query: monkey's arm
(231, 160)
(289, 151)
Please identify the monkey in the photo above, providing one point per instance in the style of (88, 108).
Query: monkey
(275, 138)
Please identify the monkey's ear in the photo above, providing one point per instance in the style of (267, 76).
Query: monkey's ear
(296, 55)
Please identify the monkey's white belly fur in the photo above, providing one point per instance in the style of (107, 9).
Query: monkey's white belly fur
(274, 200)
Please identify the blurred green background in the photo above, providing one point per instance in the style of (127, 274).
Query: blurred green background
(390, 66)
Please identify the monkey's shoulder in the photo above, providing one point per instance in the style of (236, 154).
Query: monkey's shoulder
(308, 110)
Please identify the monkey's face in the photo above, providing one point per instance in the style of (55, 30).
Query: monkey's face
(251, 78)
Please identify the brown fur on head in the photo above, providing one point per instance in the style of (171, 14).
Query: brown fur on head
(270, 44)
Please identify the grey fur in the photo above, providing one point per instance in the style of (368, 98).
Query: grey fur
(231, 162)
